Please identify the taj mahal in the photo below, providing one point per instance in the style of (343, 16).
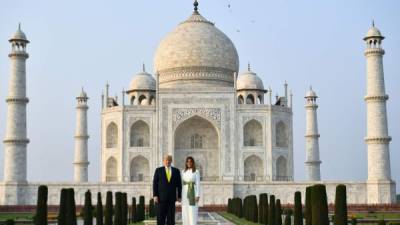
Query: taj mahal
(198, 102)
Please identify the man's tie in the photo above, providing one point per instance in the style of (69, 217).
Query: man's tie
(168, 174)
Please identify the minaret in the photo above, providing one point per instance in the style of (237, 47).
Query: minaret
(377, 130)
(16, 141)
(380, 185)
(81, 162)
(312, 136)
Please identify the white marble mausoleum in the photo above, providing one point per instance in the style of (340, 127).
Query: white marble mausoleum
(198, 102)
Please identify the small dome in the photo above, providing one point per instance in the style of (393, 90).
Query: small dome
(373, 32)
(142, 81)
(311, 93)
(19, 35)
(249, 81)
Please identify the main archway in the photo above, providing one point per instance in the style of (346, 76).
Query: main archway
(199, 138)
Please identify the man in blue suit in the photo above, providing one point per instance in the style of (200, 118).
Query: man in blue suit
(167, 189)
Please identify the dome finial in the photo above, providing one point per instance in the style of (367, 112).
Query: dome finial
(248, 66)
(196, 4)
(144, 67)
(19, 26)
(373, 23)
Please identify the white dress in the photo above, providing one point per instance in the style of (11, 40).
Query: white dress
(189, 212)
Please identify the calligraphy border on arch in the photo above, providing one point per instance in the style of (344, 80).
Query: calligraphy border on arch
(212, 114)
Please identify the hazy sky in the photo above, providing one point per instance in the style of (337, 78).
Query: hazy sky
(86, 43)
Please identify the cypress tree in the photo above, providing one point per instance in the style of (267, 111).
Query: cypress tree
(271, 212)
(319, 205)
(9, 222)
(41, 208)
(151, 209)
(278, 212)
(298, 211)
(340, 206)
(99, 210)
(62, 211)
(71, 207)
(118, 209)
(124, 209)
(108, 213)
(142, 208)
(88, 209)
(263, 208)
(239, 208)
(133, 210)
(255, 208)
(353, 221)
(245, 208)
(288, 217)
(229, 205)
(308, 211)
(381, 222)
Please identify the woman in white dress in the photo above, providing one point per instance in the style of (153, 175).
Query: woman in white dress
(190, 192)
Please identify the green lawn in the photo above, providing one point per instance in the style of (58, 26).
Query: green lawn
(235, 219)
(15, 216)
(375, 215)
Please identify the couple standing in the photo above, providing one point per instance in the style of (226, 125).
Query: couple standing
(170, 186)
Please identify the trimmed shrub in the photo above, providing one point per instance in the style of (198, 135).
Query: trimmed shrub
(271, 212)
(118, 209)
(239, 208)
(108, 213)
(124, 209)
(133, 211)
(9, 222)
(308, 211)
(71, 207)
(381, 222)
(340, 206)
(253, 208)
(319, 205)
(262, 208)
(141, 208)
(62, 211)
(99, 210)
(298, 211)
(88, 209)
(41, 208)
(278, 212)
(152, 212)
(288, 217)
(353, 221)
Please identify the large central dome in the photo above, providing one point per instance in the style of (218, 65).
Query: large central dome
(196, 53)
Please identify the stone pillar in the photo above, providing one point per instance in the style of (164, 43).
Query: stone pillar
(380, 184)
(81, 162)
(15, 141)
(312, 136)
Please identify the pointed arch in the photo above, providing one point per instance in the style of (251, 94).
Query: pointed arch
(142, 100)
(281, 169)
(112, 135)
(253, 168)
(240, 99)
(281, 137)
(111, 170)
(139, 169)
(152, 100)
(132, 100)
(252, 133)
(198, 137)
(250, 99)
(140, 134)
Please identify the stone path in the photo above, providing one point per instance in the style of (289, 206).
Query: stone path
(221, 220)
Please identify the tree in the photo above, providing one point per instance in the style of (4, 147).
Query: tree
(88, 209)
(9, 222)
(62, 211)
(319, 205)
(288, 217)
(99, 210)
(152, 212)
(278, 212)
(340, 206)
(308, 211)
(41, 209)
(71, 207)
(108, 213)
(118, 209)
(141, 208)
(124, 209)
(133, 211)
(263, 208)
(298, 211)
(271, 212)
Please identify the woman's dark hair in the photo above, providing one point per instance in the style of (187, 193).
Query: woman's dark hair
(193, 166)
